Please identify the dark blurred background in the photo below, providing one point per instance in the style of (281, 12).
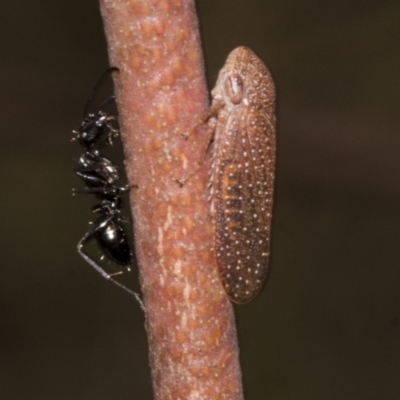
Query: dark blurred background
(327, 326)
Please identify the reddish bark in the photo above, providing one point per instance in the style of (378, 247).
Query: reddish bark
(161, 93)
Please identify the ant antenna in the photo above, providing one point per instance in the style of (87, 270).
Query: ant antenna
(102, 78)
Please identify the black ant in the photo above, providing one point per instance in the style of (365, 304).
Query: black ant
(99, 174)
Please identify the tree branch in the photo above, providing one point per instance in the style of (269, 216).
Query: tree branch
(161, 93)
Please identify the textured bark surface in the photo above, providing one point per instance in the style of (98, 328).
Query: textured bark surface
(161, 93)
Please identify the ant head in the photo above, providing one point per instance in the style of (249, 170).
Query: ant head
(94, 129)
(97, 127)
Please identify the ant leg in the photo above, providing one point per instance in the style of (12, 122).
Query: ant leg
(90, 178)
(88, 236)
(110, 126)
(106, 190)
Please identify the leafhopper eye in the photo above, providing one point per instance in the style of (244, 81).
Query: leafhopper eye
(235, 86)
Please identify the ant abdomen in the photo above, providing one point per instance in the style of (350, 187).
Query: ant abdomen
(113, 240)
